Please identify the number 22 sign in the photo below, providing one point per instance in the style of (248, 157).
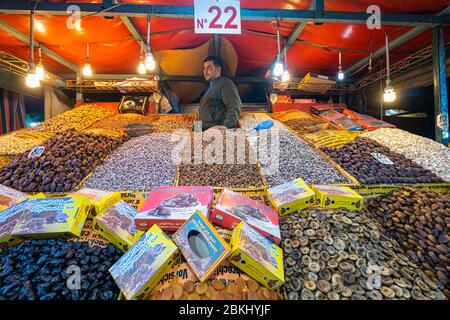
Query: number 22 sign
(217, 16)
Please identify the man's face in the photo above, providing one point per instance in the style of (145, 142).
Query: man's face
(210, 71)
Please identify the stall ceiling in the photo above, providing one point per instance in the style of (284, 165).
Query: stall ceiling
(115, 51)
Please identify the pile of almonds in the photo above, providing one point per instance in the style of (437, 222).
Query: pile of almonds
(67, 159)
(419, 220)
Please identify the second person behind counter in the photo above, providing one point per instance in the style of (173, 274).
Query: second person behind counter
(220, 106)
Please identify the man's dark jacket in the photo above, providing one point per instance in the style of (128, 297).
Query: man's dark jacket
(220, 105)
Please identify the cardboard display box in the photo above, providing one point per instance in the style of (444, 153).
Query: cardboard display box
(291, 196)
(232, 208)
(51, 217)
(9, 197)
(257, 256)
(201, 245)
(170, 207)
(337, 197)
(8, 220)
(143, 266)
(99, 200)
(117, 225)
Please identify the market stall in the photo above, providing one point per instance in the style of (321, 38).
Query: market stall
(324, 203)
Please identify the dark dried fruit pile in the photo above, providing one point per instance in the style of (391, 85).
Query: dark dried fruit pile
(359, 159)
(39, 270)
(419, 219)
(67, 159)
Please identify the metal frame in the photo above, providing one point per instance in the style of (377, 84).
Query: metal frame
(413, 61)
(19, 67)
(440, 86)
(88, 86)
(319, 14)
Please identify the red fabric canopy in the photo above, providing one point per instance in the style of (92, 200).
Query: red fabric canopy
(114, 50)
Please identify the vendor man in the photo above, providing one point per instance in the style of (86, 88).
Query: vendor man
(220, 106)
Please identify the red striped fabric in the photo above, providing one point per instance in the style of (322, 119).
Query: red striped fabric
(12, 111)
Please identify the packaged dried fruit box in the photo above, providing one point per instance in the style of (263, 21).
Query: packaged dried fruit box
(138, 271)
(337, 197)
(117, 225)
(170, 207)
(257, 256)
(9, 197)
(51, 217)
(201, 245)
(99, 200)
(232, 208)
(291, 196)
(8, 220)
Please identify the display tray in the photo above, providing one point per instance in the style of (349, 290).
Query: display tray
(353, 180)
(371, 191)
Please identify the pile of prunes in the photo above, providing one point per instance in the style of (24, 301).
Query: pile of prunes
(58, 269)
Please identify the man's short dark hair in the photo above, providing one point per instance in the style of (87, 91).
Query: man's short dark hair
(217, 62)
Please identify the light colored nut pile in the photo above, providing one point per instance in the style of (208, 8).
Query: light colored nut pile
(288, 157)
(425, 152)
(79, 118)
(170, 125)
(21, 141)
(137, 165)
(215, 290)
(250, 120)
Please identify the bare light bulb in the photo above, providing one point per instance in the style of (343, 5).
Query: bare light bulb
(141, 68)
(341, 75)
(87, 70)
(278, 69)
(32, 80)
(40, 72)
(389, 94)
(150, 61)
(285, 77)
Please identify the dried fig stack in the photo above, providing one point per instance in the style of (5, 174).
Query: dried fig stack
(66, 160)
(418, 219)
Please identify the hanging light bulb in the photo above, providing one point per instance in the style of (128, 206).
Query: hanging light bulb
(141, 67)
(389, 91)
(32, 80)
(285, 77)
(340, 75)
(87, 69)
(40, 71)
(370, 63)
(150, 63)
(278, 67)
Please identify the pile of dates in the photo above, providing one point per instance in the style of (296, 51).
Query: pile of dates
(371, 163)
(57, 270)
(68, 158)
